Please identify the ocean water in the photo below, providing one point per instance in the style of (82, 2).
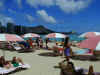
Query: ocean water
(76, 38)
(72, 38)
(52, 39)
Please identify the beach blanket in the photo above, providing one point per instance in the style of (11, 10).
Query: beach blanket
(24, 66)
(10, 70)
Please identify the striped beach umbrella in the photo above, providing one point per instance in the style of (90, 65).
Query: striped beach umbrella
(89, 34)
(55, 35)
(91, 43)
(10, 37)
(28, 35)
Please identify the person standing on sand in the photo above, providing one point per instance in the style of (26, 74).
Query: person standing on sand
(40, 43)
(31, 43)
(37, 42)
(46, 41)
(67, 49)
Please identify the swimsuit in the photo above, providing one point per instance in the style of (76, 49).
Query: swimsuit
(67, 52)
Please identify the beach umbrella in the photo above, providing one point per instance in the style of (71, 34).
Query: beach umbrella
(56, 35)
(89, 34)
(30, 35)
(10, 37)
(91, 43)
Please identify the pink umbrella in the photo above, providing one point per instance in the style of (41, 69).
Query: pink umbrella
(90, 34)
(55, 35)
(91, 43)
(10, 37)
(30, 35)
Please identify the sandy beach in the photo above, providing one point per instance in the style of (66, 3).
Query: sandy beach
(52, 26)
(44, 65)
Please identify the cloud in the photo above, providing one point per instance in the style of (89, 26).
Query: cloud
(45, 17)
(5, 19)
(30, 18)
(1, 5)
(36, 3)
(68, 6)
(12, 11)
(72, 6)
(19, 3)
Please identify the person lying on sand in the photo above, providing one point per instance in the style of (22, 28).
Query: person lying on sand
(15, 61)
(68, 68)
(9, 64)
(4, 63)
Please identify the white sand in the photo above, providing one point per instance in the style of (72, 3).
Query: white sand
(42, 65)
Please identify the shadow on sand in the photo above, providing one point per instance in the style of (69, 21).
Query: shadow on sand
(26, 51)
(82, 58)
(48, 54)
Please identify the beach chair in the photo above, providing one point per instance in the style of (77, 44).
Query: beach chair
(97, 52)
(25, 47)
(4, 45)
(84, 55)
(20, 47)
(15, 46)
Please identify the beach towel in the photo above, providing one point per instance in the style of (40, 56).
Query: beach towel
(7, 71)
(24, 66)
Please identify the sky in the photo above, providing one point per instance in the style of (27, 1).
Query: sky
(57, 15)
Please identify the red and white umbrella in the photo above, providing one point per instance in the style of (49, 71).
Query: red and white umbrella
(90, 34)
(55, 35)
(91, 43)
(28, 35)
(10, 37)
